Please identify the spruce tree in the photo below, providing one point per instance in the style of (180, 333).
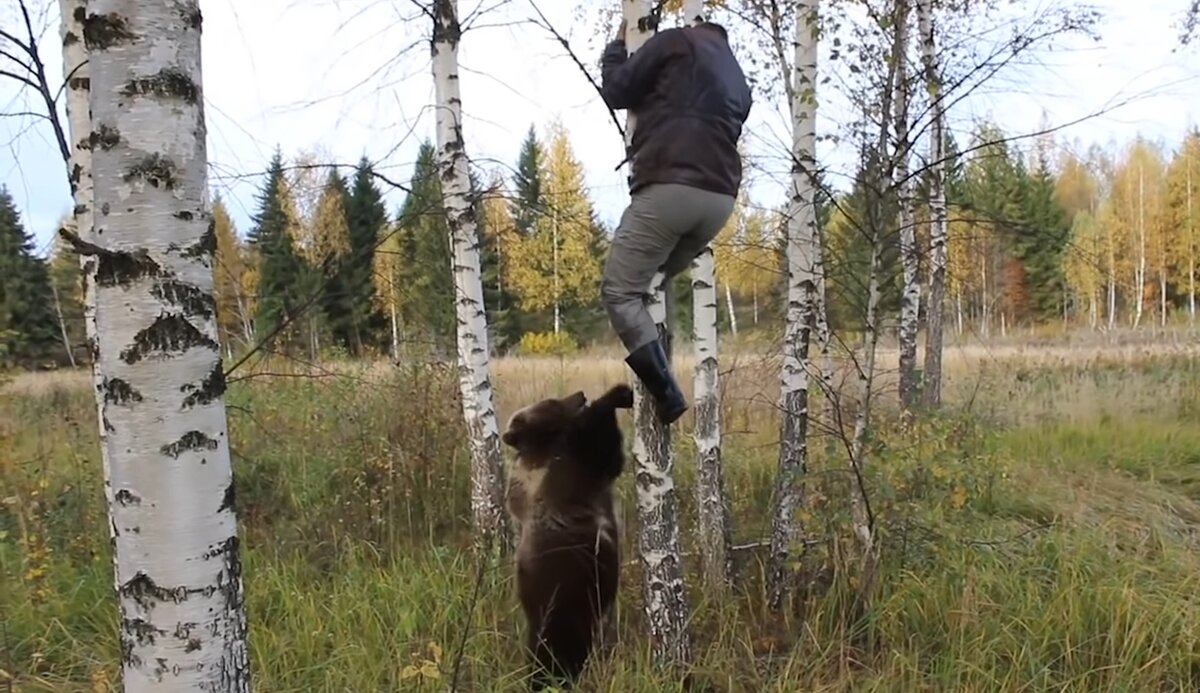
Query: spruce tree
(527, 181)
(366, 218)
(279, 265)
(425, 242)
(499, 301)
(29, 332)
(338, 299)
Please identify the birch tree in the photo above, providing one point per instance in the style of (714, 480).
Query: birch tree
(475, 380)
(1183, 179)
(76, 75)
(657, 500)
(803, 293)
(713, 510)
(157, 356)
(939, 230)
(910, 297)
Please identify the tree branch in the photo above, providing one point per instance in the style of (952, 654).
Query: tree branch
(545, 24)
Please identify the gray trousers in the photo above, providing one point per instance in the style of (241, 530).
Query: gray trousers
(664, 228)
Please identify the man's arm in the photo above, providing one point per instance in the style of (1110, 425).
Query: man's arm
(624, 78)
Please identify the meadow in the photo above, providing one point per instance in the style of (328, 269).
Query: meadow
(1040, 533)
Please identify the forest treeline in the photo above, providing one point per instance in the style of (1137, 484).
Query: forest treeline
(1097, 237)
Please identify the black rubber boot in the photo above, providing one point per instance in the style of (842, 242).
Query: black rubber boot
(649, 363)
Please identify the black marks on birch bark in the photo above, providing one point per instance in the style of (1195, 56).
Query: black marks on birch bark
(102, 31)
(105, 137)
(204, 247)
(187, 297)
(209, 389)
(228, 499)
(170, 333)
(118, 391)
(155, 169)
(167, 83)
(195, 441)
(190, 12)
(114, 267)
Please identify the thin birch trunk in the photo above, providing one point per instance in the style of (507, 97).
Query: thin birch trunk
(860, 509)
(557, 291)
(910, 305)
(1139, 278)
(939, 226)
(732, 314)
(1162, 297)
(985, 301)
(657, 500)
(475, 381)
(79, 166)
(157, 355)
(77, 76)
(803, 287)
(62, 325)
(1191, 239)
(711, 502)
(395, 329)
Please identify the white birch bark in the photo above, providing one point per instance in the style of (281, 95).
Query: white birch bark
(657, 500)
(178, 572)
(910, 300)
(1191, 240)
(475, 381)
(860, 510)
(711, 502)
(732, 314)
(62, 325)
(939, 232)
(1139, 272)
(803, 289)
(79, 121)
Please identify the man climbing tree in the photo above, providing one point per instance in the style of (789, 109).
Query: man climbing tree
(691, 99)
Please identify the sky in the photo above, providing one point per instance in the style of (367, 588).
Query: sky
(352, 77)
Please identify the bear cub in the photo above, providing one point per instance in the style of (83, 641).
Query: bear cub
(568, 453)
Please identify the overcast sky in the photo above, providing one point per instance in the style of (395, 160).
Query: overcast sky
(349, 76)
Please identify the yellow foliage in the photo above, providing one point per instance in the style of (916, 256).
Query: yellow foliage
(556, 265)
(387, 265)
(426, 668)
(547, 344)
(230, 270)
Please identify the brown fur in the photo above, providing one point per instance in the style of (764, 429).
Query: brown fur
(569, 453)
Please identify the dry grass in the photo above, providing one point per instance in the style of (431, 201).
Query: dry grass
(1040, 535)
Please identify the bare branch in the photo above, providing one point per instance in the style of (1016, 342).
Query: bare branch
(545, 24)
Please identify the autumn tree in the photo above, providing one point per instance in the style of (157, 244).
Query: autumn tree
(554, 265)
(1183, 218)
(234, 306)
(499, 238)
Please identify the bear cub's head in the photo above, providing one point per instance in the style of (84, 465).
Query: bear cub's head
(567, 424)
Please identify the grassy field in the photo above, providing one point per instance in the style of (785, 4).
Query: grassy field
(1042, 534)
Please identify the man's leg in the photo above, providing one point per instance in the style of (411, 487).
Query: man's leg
(641, 244)
(648, 232)
(712, 212)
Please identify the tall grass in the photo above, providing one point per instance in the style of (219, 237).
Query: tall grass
(1041, 534)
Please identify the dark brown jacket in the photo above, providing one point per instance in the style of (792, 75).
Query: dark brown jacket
(690, 98)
